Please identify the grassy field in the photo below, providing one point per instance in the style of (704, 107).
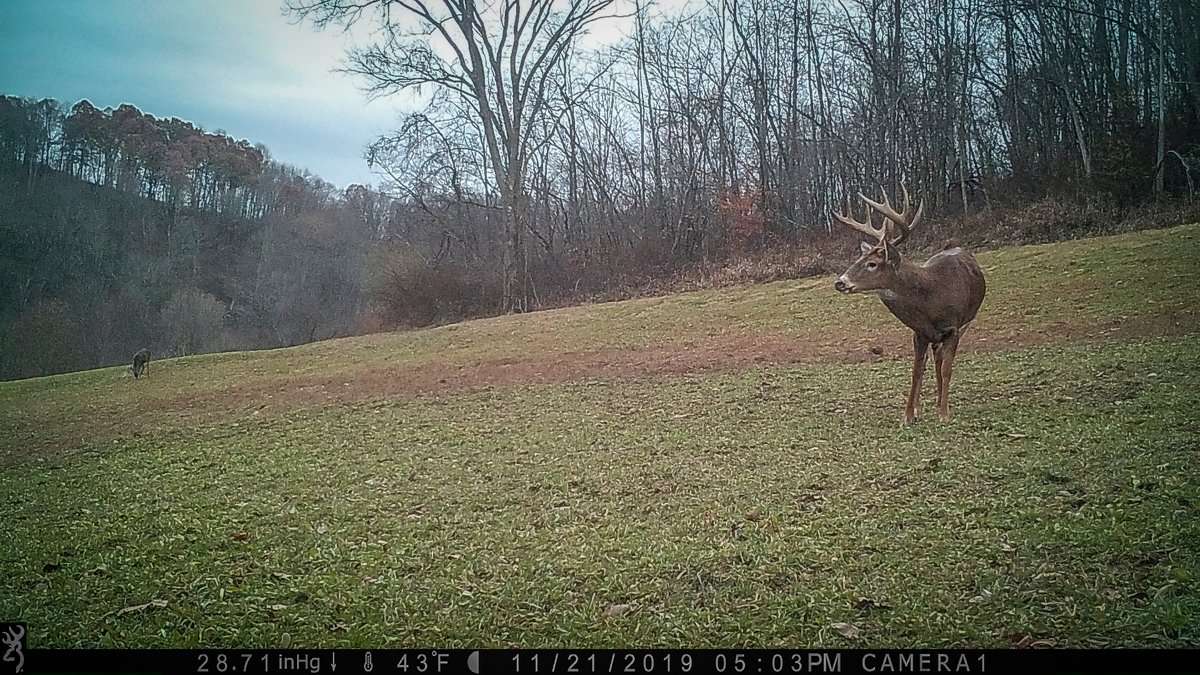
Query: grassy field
(708, 469)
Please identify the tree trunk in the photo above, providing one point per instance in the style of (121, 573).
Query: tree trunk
(1158, 174)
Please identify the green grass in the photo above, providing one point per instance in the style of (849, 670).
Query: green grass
(751, 507)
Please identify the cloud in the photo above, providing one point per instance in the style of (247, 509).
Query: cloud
(224, 64)
(236, 65)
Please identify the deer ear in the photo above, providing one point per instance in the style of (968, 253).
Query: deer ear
(865, 247)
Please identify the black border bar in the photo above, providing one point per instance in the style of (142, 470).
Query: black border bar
(593, 661)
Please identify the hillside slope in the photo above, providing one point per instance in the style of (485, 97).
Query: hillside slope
(725, 465)
(1139, 284)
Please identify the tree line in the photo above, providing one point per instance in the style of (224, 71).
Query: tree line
(543, 170)
(747, 121)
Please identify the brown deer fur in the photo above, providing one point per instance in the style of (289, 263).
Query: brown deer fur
(937, 299)
(141, 363)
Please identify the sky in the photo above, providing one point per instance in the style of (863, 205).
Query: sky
(239, 66)
(236, 65)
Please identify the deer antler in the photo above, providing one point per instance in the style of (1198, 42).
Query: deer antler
(867, 228)
(903, 221)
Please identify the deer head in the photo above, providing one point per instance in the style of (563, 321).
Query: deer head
(876, 266)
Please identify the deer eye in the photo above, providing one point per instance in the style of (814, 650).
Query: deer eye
(871, 266)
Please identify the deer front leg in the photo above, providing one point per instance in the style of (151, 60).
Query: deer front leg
(920, 355)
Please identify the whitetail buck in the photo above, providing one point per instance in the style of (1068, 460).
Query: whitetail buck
(141, 363)
(937, 299)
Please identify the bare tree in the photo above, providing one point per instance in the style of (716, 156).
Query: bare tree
(497, 60)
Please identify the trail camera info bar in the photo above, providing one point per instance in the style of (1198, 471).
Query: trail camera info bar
(586, 661)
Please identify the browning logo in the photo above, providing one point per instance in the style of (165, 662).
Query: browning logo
(12, 635)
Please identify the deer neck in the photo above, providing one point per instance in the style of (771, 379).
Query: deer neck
(908, 281)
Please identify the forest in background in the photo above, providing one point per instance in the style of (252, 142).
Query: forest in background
(709, 145)
(119, 230)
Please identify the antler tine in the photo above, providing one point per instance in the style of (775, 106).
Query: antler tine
(887, 222)
(905, 221)
(884, 207)
(883, 193)
(867, 228)
(916, 218)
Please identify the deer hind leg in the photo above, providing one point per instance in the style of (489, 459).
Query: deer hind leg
(920, 356)
(944, 354)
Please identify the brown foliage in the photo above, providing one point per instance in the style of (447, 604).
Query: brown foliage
(410, 291)
(745, 225)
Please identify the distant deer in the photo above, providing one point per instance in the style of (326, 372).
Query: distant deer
(937, 299)
(141, 363)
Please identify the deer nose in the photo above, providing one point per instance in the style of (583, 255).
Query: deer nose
(841, 286)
